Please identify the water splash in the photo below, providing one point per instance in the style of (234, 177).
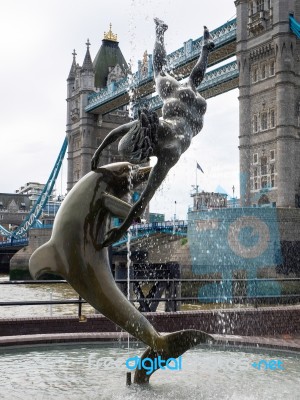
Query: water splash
(128, 244)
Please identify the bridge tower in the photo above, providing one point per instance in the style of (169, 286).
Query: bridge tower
(269, 97)
(85, 131)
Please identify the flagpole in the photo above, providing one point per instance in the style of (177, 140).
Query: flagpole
(196, 180)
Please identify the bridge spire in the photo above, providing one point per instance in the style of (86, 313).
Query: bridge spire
(87, 62)
(73, 67)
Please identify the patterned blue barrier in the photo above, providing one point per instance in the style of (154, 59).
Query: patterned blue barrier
(237, 239)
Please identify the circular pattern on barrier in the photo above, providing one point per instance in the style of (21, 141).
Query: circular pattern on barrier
(259, 227)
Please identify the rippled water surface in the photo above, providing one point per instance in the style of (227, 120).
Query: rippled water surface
(44, 292)
(98, 372)
(33, 292)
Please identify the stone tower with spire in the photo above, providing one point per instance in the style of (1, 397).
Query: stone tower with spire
(269, 70)
(85, 131)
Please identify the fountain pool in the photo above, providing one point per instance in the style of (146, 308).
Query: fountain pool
(92, 371)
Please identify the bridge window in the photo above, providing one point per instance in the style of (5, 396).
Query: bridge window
(255, 74)
(260, 5)
(272, 171)
(264, 182)
(263, 71)
(255, 123)
(272, 68)
(264, 121)
(1, 216)
(272, 155)
(272, 118)
(255, 158)
(264, 165)
(251, 8)
(272, 181)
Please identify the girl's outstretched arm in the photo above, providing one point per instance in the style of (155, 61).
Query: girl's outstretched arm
(109, 139)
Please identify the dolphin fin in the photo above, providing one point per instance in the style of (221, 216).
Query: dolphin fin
(173, 346)
(42, 261)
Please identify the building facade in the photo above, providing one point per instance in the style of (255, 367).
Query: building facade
(14, 209)
(269, 97)
(85, 131)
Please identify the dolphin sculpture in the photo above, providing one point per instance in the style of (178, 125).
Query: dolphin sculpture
(75, 252)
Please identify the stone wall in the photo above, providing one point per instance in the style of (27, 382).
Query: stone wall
(247, 322)
(19, 263)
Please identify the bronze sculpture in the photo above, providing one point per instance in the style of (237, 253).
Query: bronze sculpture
(75, 252)
(169, 137)
(82, 231)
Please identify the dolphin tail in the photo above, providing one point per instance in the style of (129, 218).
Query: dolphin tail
(42, 261)
(173, 346)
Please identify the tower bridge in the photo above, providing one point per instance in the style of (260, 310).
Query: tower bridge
(264, 37)
(181, 62)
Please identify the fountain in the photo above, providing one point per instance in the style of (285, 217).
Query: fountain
(97, 372)
(78, 252)
(77, 249)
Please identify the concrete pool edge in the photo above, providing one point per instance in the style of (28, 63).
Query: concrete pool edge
(16, 341)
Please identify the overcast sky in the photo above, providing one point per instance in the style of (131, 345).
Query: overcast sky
(37, 39)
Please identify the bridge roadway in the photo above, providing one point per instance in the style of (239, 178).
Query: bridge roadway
(181, 63)
(140, 232)
(137, 231)
(140, 235)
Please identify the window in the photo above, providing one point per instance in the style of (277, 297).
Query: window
(255, 158)
(264, 182)
(1, 216)
(264, 121)
(264, 165)
(255, 74)
(272, 155)
(260, 5)
(272, 68)
(263, 71)
(250, 8)
(272, 172)
(272, 118)
(255, 178)
(255, 123)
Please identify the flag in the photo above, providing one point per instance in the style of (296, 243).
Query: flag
(198, 167)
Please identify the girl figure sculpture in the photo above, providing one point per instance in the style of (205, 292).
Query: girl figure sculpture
(166, 138)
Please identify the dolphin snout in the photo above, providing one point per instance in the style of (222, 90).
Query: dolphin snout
(140, 175)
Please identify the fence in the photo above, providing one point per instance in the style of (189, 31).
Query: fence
(173, 299)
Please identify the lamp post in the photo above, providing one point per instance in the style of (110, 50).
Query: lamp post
(233, 199)
(175, 204)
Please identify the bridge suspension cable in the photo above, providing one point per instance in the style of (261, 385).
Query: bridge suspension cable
(42, 199)
(4, 232)
(295, 26)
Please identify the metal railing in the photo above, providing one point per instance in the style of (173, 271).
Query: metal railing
(254, 299)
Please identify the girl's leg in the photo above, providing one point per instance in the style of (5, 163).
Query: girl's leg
(199, 69)
(159, 51)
